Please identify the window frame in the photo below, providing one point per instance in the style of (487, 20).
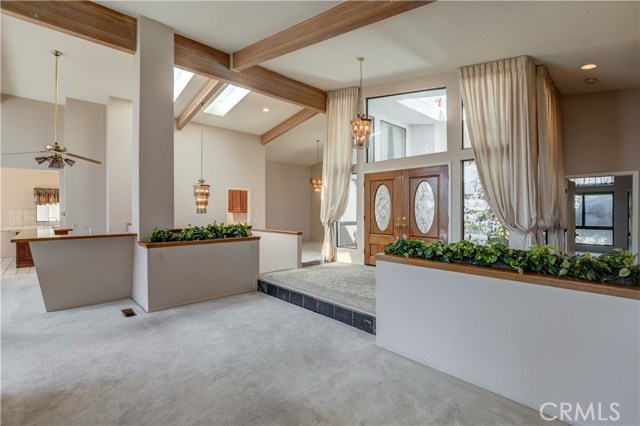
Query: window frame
(354, 178)
(597, 228)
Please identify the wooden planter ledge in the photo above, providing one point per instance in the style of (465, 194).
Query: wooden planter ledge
(627, 292)
(149, 245)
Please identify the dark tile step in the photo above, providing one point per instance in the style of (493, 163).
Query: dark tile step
(355, 319)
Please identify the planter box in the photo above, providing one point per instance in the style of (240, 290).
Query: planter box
(178, 273)
(533, 339)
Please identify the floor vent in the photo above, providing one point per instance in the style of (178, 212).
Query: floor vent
(128, 312)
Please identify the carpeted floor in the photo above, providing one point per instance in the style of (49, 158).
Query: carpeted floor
(241, 360)
(346, 284)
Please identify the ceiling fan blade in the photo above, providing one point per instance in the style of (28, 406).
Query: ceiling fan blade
(30, 152)
(82, 158)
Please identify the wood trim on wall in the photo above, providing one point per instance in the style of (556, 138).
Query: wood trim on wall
(627, 292)
(149, 245)
(83, 19)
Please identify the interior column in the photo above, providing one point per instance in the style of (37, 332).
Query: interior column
(152, 192)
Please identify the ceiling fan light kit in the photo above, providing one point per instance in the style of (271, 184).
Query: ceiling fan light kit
(56, 159)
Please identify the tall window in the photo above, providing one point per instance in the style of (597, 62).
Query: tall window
(346, 226)
(481, 225)
(594, 219)
(408, 124)
(466, 139)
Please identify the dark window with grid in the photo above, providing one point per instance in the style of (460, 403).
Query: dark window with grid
(594, 219)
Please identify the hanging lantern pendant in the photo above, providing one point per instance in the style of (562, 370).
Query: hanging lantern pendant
(316, 181)
(361, 125)
(201, 190)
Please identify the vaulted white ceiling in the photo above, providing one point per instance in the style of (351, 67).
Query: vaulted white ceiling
(436, 38)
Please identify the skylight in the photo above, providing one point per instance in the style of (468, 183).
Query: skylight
(180, 80)
(228, 99)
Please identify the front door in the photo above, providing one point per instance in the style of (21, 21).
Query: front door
(383, 205)
(409, 203)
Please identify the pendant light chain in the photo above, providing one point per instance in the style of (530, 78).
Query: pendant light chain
(360, 88)
(201, 139)
(57, 54)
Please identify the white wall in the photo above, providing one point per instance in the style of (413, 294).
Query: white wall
(316, 228)
(119, 151)
(530, 343)
(84, 186)
(601, 131)
(288, 198)
(231, 160)
(602, 135)
(27, 125)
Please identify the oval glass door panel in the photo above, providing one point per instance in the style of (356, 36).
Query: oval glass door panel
(424, 207)
(382, 207)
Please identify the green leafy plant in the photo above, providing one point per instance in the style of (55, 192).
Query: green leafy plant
(198, 233)
(618, 267)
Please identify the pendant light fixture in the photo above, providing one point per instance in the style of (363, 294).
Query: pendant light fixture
(201, 189)
(316, 181)
(361, 125)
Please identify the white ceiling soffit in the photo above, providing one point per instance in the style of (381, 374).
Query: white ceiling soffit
(298, 145)
(225, 25)
(446, 35)
(247, 115)
(87, 71)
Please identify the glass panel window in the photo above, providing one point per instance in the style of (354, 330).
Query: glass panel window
(594, 237)
(578, 206)
(594, 219)
(598, 210)
(481, 225)
(346, 226)
(408, 124)
(48, 211)
(466, 139)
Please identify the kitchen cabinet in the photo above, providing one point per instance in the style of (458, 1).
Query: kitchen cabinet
(23, 255)
(237, 201)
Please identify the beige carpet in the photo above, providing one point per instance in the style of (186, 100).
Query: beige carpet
(244, 360)
(345, 284)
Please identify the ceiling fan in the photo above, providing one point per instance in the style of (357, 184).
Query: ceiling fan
(58, 153)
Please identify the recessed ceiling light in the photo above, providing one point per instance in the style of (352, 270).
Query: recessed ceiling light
(265, 109)
(590, 80)
(588, 66)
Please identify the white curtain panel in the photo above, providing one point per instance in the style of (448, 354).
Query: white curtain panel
(499, 100)
(552, 207)
(342, 107)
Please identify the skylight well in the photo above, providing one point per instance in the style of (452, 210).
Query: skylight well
(180, 80)
(228, 99)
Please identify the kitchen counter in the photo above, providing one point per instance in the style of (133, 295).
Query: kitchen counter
(31, 235)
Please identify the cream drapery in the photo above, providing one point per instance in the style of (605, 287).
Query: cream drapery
(499, 100)
(43, 196)
(552, 200)
(342, 106)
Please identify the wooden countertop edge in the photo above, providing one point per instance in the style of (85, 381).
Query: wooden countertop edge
(17, 238)
(149, 245)
(277, 231)
(626, 292)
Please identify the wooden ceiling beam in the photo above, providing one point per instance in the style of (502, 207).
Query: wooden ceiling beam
(341, 19)
(288, 124)
(210, 90)
(205, 60)
(108, 27)
(83, 19)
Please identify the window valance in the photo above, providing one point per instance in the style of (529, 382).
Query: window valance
(43, 196)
